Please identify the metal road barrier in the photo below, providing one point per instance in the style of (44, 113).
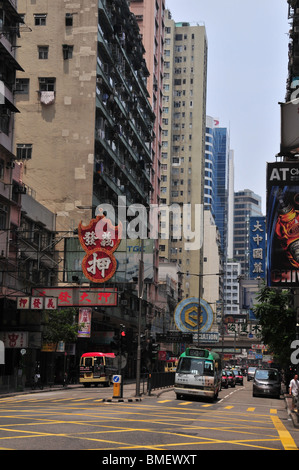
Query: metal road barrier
(159, 380)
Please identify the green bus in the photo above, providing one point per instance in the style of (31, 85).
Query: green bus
(198, 373)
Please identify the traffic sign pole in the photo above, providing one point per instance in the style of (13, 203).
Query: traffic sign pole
(117, 386)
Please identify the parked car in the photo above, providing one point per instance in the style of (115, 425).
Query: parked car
(250, 373)
(266, 382)
(238, 376)
(224, 379)
(231, 378)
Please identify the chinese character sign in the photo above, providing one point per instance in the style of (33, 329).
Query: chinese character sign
(14, 339)
(257, 247)
(84, 322)
(72, 297)
(99, 239)
(283, 224)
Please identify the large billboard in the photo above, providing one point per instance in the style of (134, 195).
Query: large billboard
(127, 258)
(283, 224)
(289, 127)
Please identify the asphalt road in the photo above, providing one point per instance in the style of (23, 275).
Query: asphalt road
(160, 425)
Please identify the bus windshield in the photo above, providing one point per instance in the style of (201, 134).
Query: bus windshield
(192, 365)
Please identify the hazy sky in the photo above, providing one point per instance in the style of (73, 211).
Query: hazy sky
(247, 73)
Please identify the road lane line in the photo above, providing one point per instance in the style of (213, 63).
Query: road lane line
(286, 438)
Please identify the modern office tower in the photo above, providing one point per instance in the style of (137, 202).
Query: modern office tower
(221, 183)
(247, 204)
(230, 212)
(183, 136)
(84, 133)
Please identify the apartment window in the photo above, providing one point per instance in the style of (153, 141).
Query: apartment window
(2, 165)
(43, 52)
(67, 51)
(40, 19)
(68, 19)
(22, 86)
(46, 84)
(24, 151)
(5, 120)
(3, 216)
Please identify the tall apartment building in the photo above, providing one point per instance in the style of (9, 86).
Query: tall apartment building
(150, 18)
(247, 204)
(183, 135)
(10, 185)
(26, 227)
(84, 133)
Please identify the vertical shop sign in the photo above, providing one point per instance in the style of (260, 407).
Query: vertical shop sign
(257, 248)
(84, 323)
(99, 239)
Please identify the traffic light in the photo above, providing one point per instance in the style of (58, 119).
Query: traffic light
(122, 331)
(115, 342)
(155, 350)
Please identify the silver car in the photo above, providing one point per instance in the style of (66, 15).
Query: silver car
(266, 382)
(250, 373)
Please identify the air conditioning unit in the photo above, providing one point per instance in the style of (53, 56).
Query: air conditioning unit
(20, 189)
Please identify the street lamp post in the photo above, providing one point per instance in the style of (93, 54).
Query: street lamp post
(140, 295)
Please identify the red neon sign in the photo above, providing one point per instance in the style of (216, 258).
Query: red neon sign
(99, 239)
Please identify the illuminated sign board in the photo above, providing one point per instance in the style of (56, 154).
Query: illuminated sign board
(78, 296)
(99, 239)
(186, 316)
(283, 224)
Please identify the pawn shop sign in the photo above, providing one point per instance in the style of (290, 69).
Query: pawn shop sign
(99, 239)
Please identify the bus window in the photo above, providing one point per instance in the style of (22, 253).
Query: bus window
(88, 361)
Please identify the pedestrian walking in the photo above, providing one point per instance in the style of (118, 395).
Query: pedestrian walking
(293, 391)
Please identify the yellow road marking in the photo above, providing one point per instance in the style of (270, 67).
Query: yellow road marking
(228, 407)
(286, 438)
(273, 411)
(185, 403)
(82, 399)
(250, 409)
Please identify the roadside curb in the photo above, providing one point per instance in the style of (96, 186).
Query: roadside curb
(120, 400)
(292, 416)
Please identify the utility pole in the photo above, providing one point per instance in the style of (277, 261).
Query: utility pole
(140, 295)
